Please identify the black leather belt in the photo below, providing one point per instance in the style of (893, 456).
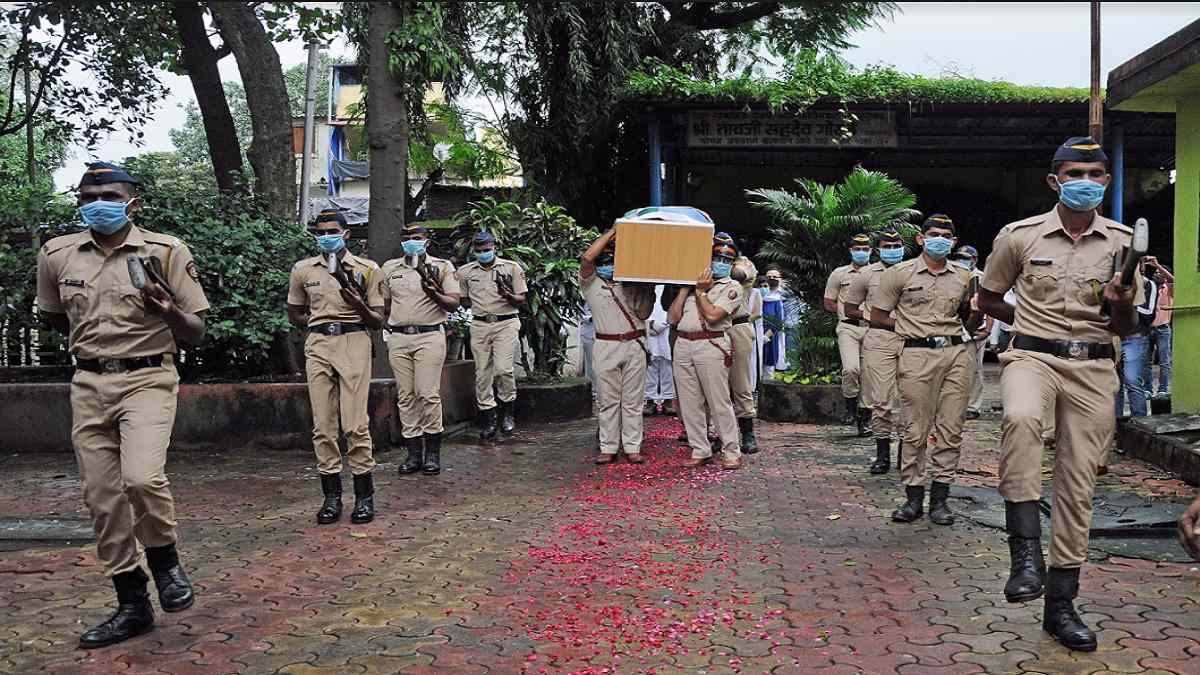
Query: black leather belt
(890, 329)
(936, 342)
(336, 328)
(1076, 350)
(741, 320)
(852, 322)
(110, 366)
(414, 330)
(492, 318)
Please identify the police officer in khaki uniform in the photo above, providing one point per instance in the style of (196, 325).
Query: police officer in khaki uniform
(339, 309)
(1061, 356)
(881, 354)
(850, 331)
(419, 292)
(619, 310)
(124, 391)
(494, 289)
(742, 336)
(931, 304)
(704, 356)
(967, 257)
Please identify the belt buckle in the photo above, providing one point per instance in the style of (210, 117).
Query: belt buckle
(1077, 350)
(333, 329)
(940, 341)
(112, 366)
(409, 330)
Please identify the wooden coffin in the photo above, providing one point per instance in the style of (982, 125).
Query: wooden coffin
(662, 252)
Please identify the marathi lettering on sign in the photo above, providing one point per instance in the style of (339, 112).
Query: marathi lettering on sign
(870, 129)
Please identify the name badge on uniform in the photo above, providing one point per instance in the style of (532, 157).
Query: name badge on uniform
(78, 283)
(1041, 262)
(311, 284)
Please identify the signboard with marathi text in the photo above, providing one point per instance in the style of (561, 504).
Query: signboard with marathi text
(820, 129)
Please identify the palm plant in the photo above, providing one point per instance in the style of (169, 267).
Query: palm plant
(808, 240)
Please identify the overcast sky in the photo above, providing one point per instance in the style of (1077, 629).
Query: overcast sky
(1027, 43)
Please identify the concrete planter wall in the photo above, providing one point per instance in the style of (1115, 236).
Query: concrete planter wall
(563, 401)
(1171, 442)
(806, 404)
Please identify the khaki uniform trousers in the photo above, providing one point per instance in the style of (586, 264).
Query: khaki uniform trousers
(339, 381)
(621, 380)
(741, 392)
(849, 339)
(121, 427)
(933, 393)
(1081, 394)
(494, 347)
(702, 379)
(880, 390)
(417, 362)
(975, 350)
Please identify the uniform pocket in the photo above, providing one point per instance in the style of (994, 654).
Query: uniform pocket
(1090, 283)
(75, 301)
(1043, 283)
(919, 295)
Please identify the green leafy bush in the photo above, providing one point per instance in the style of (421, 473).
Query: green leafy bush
(547, 243)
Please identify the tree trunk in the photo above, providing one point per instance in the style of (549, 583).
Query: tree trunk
(387, 132)
(271, 153)
(200, 62)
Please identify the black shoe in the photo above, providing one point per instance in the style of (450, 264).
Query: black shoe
(939, 511)
(1027, 567)
(913, 508)
(851, 410)
(883, 456)
(749, 443)
(971, 415)
(331, 510)
(364, 499)
(416, 455)
(507, 423)
(433, 455)
(863, 420)
(175, 592)
(487, 424)
(1059, 618)
(134, 615)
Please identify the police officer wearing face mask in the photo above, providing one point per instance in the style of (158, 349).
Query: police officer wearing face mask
(967, 257)
(1062, 357)
(338, 308)
(850, 331)
(124, 331)
(930, 299)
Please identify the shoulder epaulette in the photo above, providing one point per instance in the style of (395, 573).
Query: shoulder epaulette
(1027, 222)
(59, 243)
(162, 239)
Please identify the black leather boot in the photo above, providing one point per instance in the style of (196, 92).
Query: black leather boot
(913, 508)
(1027, 567)
(416, 459)
(433, 455)
(507, 423)
(883, 456)
(749, 442)
(863, 420)
(331, 510)
(175, 592)
(364, 499)
(939, 511)
(1059, 618)
(134, 615)
(851, 410)
(487, 424)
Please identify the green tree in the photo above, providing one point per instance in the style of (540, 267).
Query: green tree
(190, 140)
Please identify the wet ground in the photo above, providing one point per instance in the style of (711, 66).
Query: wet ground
(524, 557)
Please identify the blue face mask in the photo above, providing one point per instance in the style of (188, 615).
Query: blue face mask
(763, 291)
(331, 243)
(938, 247)
(1080, 195)
(891, 256)
(104, 217)
(720, 270)
(485, 257)
(414, 247)
(860, 257)
(604, 271)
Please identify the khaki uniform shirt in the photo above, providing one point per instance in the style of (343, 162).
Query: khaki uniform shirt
(311, 285)
(91, 286)
(747, 265)
(839, 284)
(864, 286)
(925, 302)
(602, 296)
(411, 306)
(479, 286)
(1060, 280)
(726, 294)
